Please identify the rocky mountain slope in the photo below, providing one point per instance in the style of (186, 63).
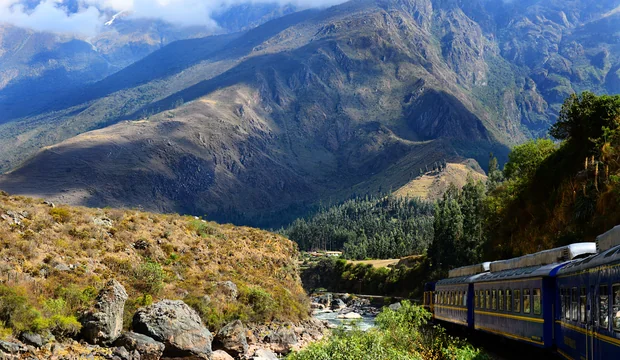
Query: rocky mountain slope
(319, 104)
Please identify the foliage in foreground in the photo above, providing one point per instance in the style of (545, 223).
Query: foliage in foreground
(404, 334)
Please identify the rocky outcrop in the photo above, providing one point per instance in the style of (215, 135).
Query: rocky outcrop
(145, 347)
(228, 289)
(262, 354)
(284, 338)
(104, 323)
(232, 339)
(221, 355)
(176, 325)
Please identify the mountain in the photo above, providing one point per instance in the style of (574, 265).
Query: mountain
(318, 105)
(38, 69)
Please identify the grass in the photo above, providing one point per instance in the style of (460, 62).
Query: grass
(68, 253)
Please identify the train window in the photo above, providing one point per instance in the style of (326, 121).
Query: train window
(603, 307)
(476, 299)
(465, 298)
(501, 300)
(573, 303)
(488, 299)
(562, 303)
(536, 297)
(567, 301)
(494, 299)
(526, 301)
(461, 298)
(508, 300)
(615, 310)
(517, 300)
(482, 302)
(582, 305)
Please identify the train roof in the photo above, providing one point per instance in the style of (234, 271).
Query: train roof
(522, 272)
(547, 257)
(466, 279)
(607, 257)
(608, 240)
(469, 270)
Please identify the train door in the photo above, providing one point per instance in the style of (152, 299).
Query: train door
(591, 323)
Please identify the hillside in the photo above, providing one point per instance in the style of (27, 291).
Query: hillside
(69, 253)
(255, 128)
(432, 185)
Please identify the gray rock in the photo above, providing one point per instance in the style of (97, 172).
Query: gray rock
(177, 325)
(228, 288)
(338, 304)
(11, 347)
(282, 340)
(122, 353)
(62, 267)
(146, 347)
(232, 338)
(105, 222)
(31, 339)
(262, 354)
(221, 355)
(395, 306)
(104, 323)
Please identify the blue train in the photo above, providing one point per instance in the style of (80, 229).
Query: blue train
(565, 300)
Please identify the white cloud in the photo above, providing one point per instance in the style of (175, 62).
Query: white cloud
(52, 16)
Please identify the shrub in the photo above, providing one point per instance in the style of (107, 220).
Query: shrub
(149, 278)
(61, 214)
(261, 302)
(201, 228)
(64, 327)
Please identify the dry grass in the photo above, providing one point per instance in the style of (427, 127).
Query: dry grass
(377, 264)
(100, 244)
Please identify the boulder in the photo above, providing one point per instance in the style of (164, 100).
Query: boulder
(282, 340)
(262, 354)
(350, 316)
(31, 339)
(228, 289)
(8, 347)
(232, 338)
(104, 323)
(146, 347)
(178, 326)
(221, 355)
(395, 306)
(338, 304)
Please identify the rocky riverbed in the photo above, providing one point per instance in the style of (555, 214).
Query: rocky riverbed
(345, 310)
(168, 329)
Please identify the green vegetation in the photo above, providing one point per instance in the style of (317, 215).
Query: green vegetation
(339, 275)
(382, 227)
(400, 335)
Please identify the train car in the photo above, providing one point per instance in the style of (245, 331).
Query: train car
(454, 295)
(587, 316)
(516, 298)
(429, 297)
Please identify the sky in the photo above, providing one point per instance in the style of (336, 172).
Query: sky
(53, 16)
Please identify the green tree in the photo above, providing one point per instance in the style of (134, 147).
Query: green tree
(524, 160)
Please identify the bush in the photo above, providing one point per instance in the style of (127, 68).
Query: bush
(262, 303)
(403, 334)
(61, 214)
(149, 278)
(64, 327)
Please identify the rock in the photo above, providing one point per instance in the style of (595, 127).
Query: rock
(232, 338)
(147, 348)
(317, 306)
(395, 306)
(177, 325)
(221, 355)
(11, 347)
(122, 353)
(31, 339)
(350, 316)
(141, 245)
(282, 340)
(338, 305)
(262, 354)
(104, 323)
(105, 222)
(62, 267)
(49, 203)
(228, 289)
